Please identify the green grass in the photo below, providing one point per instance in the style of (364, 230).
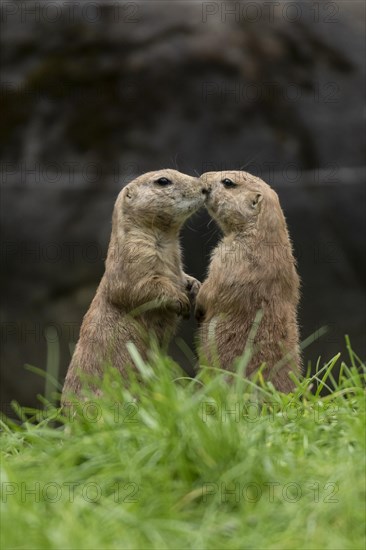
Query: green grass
(176, 463)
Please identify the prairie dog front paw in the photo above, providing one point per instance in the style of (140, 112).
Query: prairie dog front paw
(192, 286)
(185, 307)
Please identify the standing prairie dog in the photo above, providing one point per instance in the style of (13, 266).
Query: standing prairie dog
(144, 290)
(252, 270)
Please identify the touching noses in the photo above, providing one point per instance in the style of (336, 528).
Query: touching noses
(206, 190)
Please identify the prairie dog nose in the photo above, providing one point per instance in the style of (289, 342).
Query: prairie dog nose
(206, 190)
(206, 183)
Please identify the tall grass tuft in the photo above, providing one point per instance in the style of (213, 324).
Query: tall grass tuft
(174, 462)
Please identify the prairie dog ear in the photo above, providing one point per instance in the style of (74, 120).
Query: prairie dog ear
(255, 199)
(128, 192)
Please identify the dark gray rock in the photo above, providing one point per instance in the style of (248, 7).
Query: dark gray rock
(91, 100)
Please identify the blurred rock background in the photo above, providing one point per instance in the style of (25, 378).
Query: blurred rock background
(94, 93)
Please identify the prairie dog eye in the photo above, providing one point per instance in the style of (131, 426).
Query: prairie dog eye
(163, 181)
(228, 183)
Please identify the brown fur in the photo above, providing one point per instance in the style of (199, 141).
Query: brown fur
(252, 269)
(143, 291)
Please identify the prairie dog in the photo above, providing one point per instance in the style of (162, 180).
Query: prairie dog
(144, 290)
(252, 270)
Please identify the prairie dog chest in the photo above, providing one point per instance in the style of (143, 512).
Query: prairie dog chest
(230, 256)
(168, 259)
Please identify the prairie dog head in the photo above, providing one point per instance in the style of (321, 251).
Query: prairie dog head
(163, 199)
(237, 200)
